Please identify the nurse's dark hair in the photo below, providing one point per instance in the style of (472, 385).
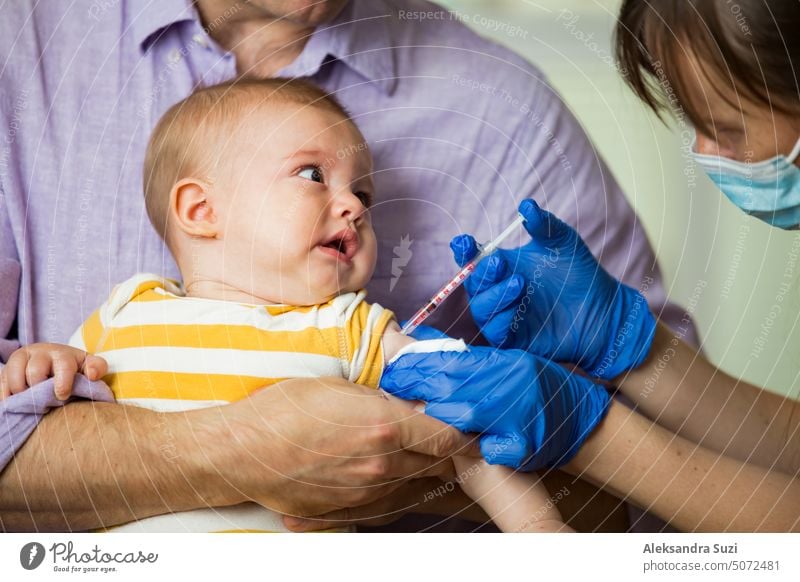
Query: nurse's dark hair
(748, 48)
(193, 136)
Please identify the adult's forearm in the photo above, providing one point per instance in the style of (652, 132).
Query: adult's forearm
(91, 465)
(685, 484)
(681, 390)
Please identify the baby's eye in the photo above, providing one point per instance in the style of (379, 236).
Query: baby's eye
(365, 197)
(313, 173)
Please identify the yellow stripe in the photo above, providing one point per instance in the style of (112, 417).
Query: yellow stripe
(174, 386)
(146, 286)
(152, 296)
(373, 365)
(241, 337)
(354, 328)
(281, 309)
(145, 291)
(92, 332)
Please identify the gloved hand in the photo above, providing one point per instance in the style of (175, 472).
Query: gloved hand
(531, 413)
(551, 297)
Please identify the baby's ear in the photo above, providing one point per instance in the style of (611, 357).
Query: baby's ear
(192, 209)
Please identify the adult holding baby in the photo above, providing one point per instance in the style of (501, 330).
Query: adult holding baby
(724, 454)
(83, 86)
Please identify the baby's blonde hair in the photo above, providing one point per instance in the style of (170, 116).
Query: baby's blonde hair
(185, 140)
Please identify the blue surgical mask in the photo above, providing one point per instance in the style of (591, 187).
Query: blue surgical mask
(768, 190)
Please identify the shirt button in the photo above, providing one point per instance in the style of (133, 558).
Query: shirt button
(174, 56)
(200, 40)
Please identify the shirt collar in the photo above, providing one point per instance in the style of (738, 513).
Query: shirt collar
(147, 18)
(360, 37)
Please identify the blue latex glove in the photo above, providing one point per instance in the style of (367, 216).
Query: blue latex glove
(552, 298)
(531, 413)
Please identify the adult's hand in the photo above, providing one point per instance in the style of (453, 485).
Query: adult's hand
(302, 447)
(552, 298)
(530, 412)
(429, 496)
(310, 446)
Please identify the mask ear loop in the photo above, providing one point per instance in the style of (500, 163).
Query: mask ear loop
(794, 153)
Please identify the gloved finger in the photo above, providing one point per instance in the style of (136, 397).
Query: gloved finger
(488, 273)
(426, 332)
(511, 450)
(463, 415)
(543, 226)
(464, 248)
(414, 385)
(498, 298)
(499, 328)
(424, 376)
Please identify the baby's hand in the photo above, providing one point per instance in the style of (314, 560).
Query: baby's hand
(35, 363)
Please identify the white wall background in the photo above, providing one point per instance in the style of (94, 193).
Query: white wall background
(698, 235)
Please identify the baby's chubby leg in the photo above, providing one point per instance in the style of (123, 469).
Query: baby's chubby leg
(516, 502)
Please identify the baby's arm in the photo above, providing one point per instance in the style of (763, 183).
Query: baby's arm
(394, 341)
(516, 502)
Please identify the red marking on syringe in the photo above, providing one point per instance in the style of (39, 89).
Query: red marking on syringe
(456, 282)
(439, 298)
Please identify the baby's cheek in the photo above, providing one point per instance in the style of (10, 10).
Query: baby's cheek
(367, 258)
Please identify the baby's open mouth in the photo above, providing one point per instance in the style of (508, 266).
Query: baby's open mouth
(343, 245)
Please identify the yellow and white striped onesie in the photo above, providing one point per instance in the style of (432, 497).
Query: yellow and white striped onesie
(170, 353)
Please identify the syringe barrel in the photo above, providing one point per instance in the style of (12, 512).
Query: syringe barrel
(443, 293)
(456, 282)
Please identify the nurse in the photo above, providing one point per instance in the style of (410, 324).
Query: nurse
(722, 454)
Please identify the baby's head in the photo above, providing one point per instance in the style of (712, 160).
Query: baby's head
(260, 189)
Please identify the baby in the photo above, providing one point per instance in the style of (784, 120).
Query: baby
(261, 191)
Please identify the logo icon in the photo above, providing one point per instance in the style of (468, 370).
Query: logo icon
(402, 254)
(31, 555)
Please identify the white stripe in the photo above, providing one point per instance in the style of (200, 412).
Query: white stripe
(76, 341)
(170, 405)
(244, 516)
(432, 345)
(230, 362)
(346, 304)
(121, 294)
(191, 311)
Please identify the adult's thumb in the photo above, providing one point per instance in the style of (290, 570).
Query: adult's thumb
(544, 227)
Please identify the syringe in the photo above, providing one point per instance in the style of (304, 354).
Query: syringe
(456, 282)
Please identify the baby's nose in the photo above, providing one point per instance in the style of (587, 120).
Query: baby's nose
(347, 205)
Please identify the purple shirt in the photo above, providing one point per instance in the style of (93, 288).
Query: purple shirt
(461, 129)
